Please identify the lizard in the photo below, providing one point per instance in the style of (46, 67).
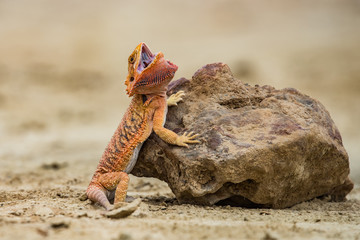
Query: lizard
(147, 81)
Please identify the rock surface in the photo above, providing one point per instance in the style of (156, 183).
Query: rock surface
(261, 147)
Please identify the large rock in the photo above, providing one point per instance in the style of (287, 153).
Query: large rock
(259, 146)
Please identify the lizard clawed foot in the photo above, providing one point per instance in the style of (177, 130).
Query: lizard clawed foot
(175, 98)
(187, 138)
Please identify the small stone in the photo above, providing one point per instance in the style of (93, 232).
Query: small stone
(83, 214)
(269, 237)
(16, 213)
(59, 223)
(42, 231)
(54, 165)
(264, 213)
(124, 211)
(62, 195)
(83, 197)
(124, 236)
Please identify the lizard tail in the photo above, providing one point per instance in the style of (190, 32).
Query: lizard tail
(98, 195)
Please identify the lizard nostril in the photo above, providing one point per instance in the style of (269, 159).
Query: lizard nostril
(160, 153)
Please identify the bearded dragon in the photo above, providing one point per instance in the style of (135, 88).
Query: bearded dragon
(148, 77)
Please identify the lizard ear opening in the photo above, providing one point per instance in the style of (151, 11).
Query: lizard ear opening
(130, 84)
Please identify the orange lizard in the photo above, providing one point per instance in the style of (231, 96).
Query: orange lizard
(148, 77)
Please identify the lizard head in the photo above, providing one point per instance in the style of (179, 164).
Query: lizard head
(148, 73)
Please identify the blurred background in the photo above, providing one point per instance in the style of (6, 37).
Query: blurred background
(63, 64)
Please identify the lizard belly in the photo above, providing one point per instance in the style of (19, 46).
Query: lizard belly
(133, 159)
(165, 113)
(135, 154)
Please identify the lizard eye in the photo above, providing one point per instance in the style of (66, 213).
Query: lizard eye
(131, 59)
(131, 79)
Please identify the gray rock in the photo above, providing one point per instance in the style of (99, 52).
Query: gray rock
(261, 147)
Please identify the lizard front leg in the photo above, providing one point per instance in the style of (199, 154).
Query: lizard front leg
(175, 98)
(168, 135)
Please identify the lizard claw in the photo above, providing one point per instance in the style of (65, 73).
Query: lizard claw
(187, 137)
(175, 98)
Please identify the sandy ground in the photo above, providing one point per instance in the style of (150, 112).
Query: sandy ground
(42, 201)
(62, 68)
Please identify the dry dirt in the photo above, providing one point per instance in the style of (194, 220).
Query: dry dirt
(62, 69)
(44, 203)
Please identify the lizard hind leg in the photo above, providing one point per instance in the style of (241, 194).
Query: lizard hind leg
(108, 183)
(121, 189)
(117, 181)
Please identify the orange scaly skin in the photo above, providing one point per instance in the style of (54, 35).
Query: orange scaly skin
(147, 81)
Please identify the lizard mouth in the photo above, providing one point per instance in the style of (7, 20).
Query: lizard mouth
(146, 58)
